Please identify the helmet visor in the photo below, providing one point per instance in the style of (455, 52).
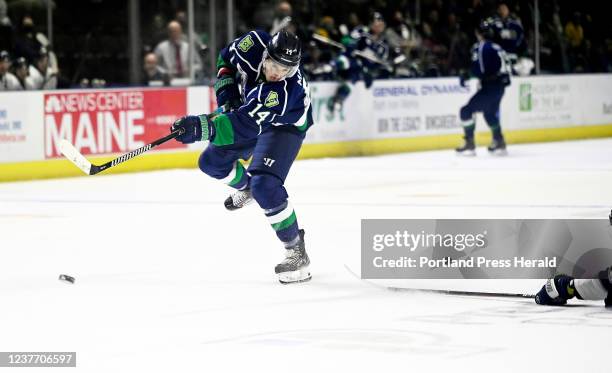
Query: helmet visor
(275, 68)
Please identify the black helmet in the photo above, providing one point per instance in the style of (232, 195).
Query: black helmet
(285, 48)
(486, 28)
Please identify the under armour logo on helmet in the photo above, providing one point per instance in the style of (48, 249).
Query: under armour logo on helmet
(290, 51)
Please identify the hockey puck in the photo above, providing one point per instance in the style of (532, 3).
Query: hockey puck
(66, 278)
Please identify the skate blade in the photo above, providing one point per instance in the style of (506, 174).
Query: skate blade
(466, 153)
(294, 277)
(499, 152)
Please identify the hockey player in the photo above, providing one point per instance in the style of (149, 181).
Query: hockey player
(488, 65)
(364, 47)
(509, 34)
(259, 79)
(559, 289)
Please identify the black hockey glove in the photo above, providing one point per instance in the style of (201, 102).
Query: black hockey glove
(197, 128)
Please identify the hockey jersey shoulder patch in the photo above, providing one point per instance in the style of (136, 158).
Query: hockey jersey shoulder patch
(271, 99)
(246, 43)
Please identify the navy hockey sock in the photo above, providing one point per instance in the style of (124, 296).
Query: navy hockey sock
(284, 222)
(497, 134)
(469, 128)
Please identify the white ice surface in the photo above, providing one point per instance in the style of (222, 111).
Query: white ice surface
(168, 281)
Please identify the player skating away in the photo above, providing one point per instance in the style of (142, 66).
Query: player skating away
(488, 65)
(259, 77)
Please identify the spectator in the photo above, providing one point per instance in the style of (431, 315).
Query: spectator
(404, 38)
(41, 74)
(458, 46)
(153, 73)
(401, 34)
(8, 81)
(173, 53)
(316, 66)
(6, 28)
(21, 73)
(574, 31)
(327, 28)
(26, 43)
(282, 18)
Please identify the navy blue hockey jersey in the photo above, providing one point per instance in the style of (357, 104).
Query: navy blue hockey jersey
(510, 35)
(283, 103)
(489, 63)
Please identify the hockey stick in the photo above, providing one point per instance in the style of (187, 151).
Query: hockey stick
(281, 25)
(74, 156)
(358, 53)
(443, 291)
(463, 293)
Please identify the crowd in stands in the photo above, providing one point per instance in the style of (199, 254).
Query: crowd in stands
(341, 40)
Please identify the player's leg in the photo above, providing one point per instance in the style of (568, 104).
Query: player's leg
(223, 163)
(273, 156)
(347, 70)
(559, 289)
(491, 115)
(466, 114)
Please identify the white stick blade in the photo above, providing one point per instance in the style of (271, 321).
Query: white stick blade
(73, 155)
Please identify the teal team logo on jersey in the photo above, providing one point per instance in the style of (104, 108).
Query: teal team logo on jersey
(525, 99)
(272, 99)
(246, 43)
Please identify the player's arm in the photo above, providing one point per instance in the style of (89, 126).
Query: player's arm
(226, 86)
(263, 105)
(219, 129)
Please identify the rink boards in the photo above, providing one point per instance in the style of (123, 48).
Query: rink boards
(391, 116)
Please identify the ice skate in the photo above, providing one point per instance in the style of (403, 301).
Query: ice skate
(498, 147)
(468, 149)
(295, 266)
(238, 200)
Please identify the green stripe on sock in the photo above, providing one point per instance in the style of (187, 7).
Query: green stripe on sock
(224, 132)
(285, 223)
(239, 173)
(494, 125)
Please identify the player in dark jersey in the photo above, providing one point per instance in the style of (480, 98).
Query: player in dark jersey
(559, 289)
(489, 66)
(510, 35)
(365, 58)
(260, 82)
